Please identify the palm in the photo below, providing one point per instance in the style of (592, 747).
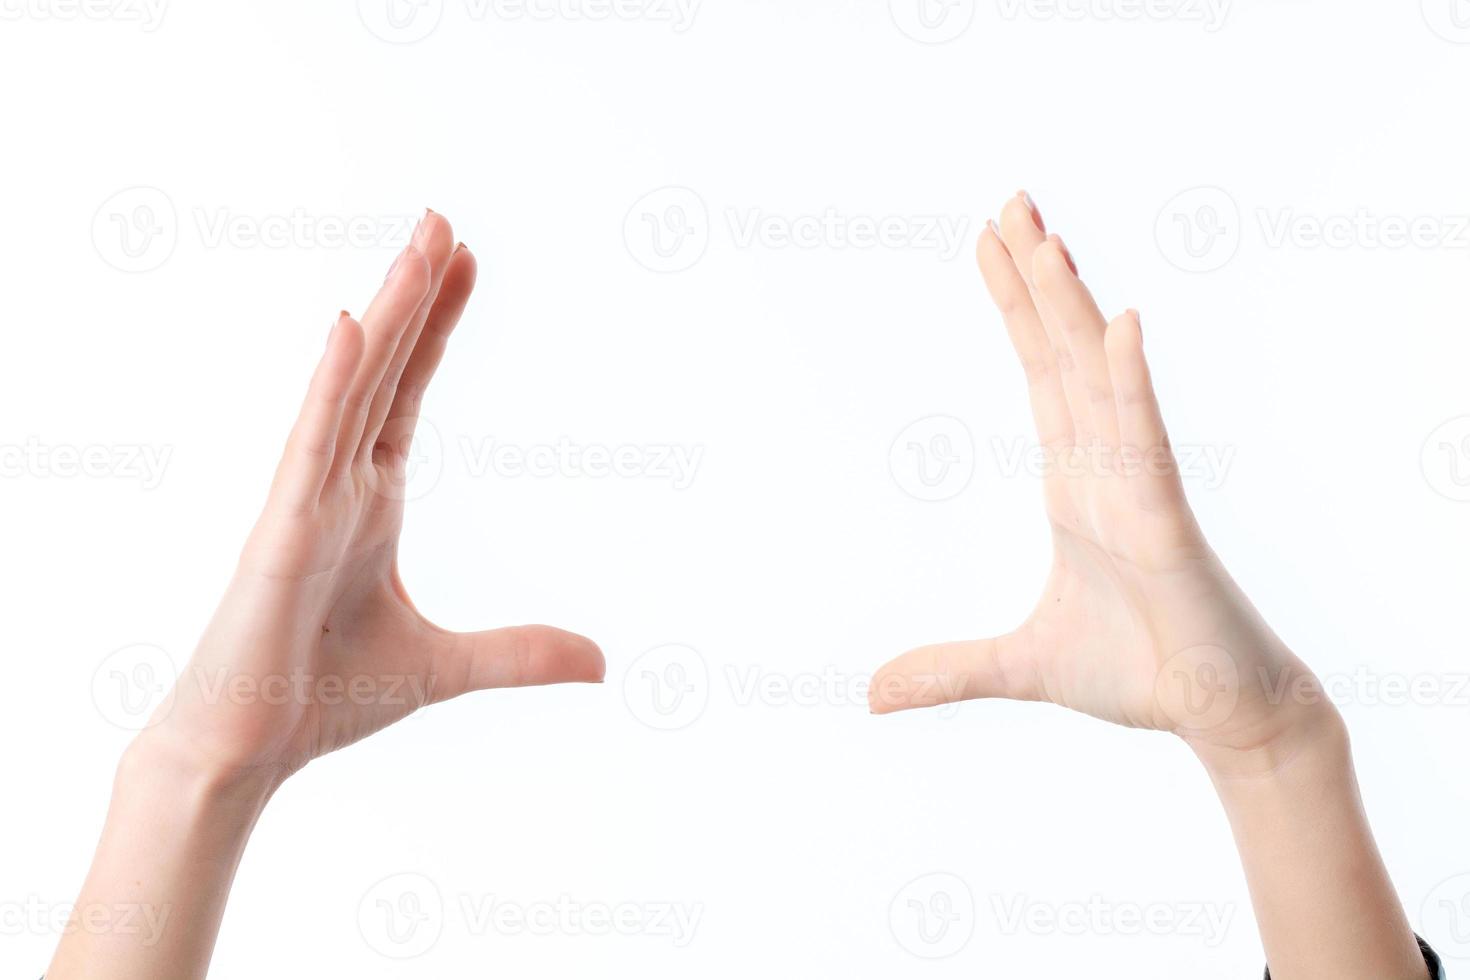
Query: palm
(1135, 598)
(316, 643)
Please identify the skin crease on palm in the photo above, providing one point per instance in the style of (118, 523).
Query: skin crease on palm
(317, 593)
(1136, 599)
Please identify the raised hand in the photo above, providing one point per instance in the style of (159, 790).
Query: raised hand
(316, 643)
(1139, 623)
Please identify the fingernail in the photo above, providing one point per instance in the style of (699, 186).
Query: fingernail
(460, 246)
(1035, 211)
(420, 230)
(1066, 252)
(343, 315)
(994, 228)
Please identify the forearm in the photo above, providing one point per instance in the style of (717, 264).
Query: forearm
(156, 892)
(1324, 902)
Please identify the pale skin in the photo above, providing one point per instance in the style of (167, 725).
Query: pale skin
(316, 596)
(1136, 600)
(1139, 624)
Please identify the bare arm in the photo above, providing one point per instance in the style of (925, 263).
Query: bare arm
(1139, 624)
(315, 645)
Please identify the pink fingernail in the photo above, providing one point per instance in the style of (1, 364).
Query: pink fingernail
(1066, 252)
(394, 267)
(1035, 211)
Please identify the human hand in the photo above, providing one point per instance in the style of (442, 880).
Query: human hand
(316, 643)
(1139, 623)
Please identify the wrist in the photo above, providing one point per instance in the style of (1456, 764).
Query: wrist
(161, 766)
(1301, 735)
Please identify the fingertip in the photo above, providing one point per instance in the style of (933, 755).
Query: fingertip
(1017, 224)
(434, 237)
(1050, 265)
(1124, 333)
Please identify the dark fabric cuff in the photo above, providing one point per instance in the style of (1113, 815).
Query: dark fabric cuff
(1436, 968)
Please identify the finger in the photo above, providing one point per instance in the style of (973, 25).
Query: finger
(435, 239)
(313, 440)
(1081, 325)
(517, 656)
(404, 289)
(949, 672)
(1144, 440)
(1012, 297)
(1023, 230)
(454, 294)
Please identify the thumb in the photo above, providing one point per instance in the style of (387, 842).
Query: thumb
(947, 672)
(515, 656)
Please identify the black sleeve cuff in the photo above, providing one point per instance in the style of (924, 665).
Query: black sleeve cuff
(1436, 968)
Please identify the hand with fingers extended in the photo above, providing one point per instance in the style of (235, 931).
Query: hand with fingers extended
(1139, 624)
(316, 643)
(317, 609)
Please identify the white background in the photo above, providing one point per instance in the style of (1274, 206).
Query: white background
(1317, 375)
